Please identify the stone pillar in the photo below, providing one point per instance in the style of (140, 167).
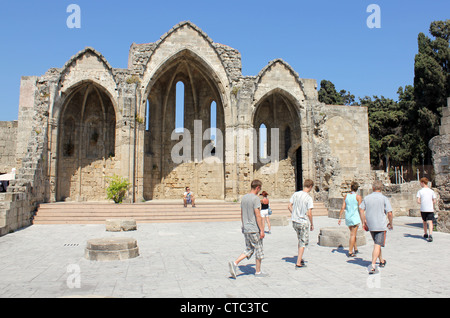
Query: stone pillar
(440, 146)
(28, 87)
(127, 143)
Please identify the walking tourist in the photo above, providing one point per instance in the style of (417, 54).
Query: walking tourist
(265, 210)
(252, 228)
(300, 206)
(350, 205)
(373, 210)
(427, 199)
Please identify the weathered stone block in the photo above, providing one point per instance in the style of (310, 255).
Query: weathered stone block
(119, 225)
(111, 249)
(279, 220)
(414, 212)
(339, 237)
(443, 222)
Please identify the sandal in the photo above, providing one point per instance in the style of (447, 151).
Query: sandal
(351, 255)
(302, 264)
(372, 270)
(383, 264)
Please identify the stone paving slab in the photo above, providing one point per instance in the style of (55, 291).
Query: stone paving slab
(190, 260)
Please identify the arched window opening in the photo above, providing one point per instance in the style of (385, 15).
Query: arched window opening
(263, 144)
(213, 125)
(287, 141)
(179, 109)
(147, 116)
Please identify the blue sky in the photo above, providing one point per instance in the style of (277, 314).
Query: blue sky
(324, 39)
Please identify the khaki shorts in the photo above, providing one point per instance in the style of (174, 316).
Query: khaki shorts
(254, 244)
(302, 230)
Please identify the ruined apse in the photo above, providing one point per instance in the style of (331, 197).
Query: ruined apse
(84, 122)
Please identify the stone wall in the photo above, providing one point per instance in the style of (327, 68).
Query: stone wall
(440, 146)
(86, 121)
(8, 139)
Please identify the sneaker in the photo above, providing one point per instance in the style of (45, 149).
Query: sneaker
(425, 236)
(430, 238)
(232, 268)
(261, 274)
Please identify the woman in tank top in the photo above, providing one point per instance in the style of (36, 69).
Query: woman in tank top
(265, 210)
(352, 219)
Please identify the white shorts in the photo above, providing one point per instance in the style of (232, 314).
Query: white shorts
(264, 213)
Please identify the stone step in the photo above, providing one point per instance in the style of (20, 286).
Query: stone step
(95, 213)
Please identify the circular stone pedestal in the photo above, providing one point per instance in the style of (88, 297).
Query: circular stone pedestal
(339, 237)
(111, 249)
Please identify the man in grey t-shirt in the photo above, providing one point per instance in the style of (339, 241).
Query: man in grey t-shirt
(373, 211)
(252, 229)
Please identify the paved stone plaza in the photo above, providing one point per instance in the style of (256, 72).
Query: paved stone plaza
(189, 260)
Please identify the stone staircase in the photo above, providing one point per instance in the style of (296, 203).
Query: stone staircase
(151, 212)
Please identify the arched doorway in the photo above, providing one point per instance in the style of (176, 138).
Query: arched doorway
(282, 138)
(86, 144)
(201, 111)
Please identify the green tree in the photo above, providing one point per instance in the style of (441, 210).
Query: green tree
(330, 96)
(385, 130)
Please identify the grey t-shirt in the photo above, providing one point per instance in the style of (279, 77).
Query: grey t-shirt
(249, 203)
(376, 205)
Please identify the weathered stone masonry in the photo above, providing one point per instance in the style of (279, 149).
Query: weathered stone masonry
(86, 121)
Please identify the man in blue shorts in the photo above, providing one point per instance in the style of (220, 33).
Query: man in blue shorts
(373, 211)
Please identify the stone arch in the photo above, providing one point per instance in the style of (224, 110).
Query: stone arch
(85, 144)
(279, 75)
(87, 66)
(163, 177)
(277, 109)
(186, 38)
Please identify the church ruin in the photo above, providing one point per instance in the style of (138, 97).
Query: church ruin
(82, 123)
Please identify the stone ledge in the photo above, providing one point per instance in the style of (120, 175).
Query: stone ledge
(119, 225)
(339, 237)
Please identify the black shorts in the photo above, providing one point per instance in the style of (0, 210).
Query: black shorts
(379, 237)
(427, 216)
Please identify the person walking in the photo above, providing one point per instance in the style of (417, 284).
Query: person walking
(300, 206)
(252, 228)
(265, 211)
(373, 211)
(350, 205)
(427, 199)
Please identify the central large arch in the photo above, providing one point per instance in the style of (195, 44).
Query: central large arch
(163, 177)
